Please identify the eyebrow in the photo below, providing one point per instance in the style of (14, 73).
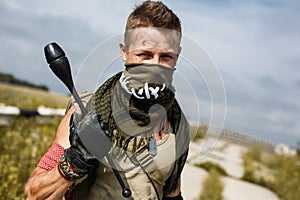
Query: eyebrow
(148, 50)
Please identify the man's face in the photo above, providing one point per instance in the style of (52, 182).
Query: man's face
(151, 45)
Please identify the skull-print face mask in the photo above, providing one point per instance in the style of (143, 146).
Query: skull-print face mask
(147, 81)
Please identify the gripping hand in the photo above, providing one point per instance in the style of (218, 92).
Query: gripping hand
(77, 160)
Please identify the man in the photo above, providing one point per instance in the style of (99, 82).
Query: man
(149, 133)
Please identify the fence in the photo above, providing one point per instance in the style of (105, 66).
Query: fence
(8, 112)
(239, 138)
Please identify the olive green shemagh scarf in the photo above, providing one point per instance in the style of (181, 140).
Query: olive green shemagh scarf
(119, 108)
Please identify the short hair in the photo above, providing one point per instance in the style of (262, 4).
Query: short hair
(153, 14)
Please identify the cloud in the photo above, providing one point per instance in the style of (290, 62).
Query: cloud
(26, 29)
(254, 44)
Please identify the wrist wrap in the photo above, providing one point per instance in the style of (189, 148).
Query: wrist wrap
(66, 171)
(52, 157)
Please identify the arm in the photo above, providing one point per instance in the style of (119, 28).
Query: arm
(50, 184)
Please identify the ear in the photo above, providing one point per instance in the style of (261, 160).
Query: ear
(123, 51)
(179, 51)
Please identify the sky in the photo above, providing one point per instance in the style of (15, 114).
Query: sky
(254, 47)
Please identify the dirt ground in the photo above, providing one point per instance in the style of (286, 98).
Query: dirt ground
(227, 156)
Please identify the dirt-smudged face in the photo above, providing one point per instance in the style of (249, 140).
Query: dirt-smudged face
(151, 45)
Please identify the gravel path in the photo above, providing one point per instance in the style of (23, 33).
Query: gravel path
(229, 157)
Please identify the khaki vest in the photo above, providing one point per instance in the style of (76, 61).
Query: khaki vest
(145, 178)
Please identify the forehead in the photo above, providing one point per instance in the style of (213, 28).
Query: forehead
(152, 38)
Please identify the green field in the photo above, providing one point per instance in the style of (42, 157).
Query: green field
(25, 139)
(30, 98)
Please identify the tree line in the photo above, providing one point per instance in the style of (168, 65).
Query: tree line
(8, 78)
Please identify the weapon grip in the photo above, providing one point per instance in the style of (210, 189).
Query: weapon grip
(60, 66)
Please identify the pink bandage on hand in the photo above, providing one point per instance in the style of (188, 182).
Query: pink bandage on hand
(52, 157)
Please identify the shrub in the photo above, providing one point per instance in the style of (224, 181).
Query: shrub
(285, 176)
(209, 166)
(199, 131)
(22, 144)
(255, 153)
(287, 184)
(212, 187)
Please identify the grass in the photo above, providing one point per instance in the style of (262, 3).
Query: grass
(24, 140)
(279, 173)
(30, 98)
(208, 166)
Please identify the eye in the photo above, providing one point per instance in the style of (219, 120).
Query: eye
(144, 55)
(167, 57)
